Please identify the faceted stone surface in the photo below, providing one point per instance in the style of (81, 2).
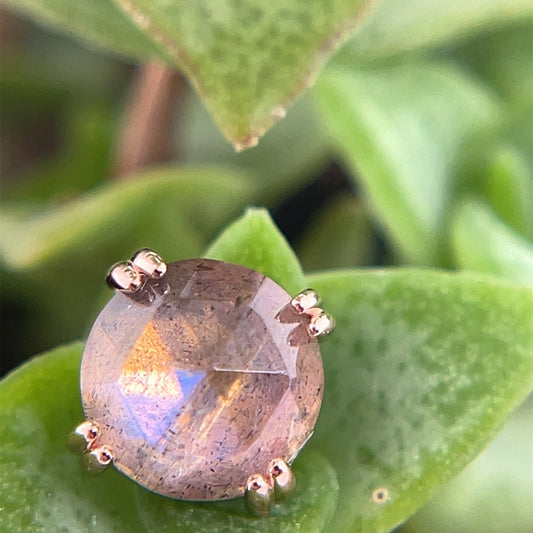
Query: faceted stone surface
(194, 383)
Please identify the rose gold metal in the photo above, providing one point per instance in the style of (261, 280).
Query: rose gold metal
(124, 277)
(148, 262)
(259, 494)
(282, 478)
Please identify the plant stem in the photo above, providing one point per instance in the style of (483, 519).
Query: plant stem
(145, 134)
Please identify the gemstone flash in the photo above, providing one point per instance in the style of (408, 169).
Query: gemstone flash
(193, 383)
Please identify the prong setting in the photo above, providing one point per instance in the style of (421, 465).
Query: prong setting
(259, 494)
(305, 300)
(83, 437)
(314, 321)
(98, 459)
(321, 324)
(124, 277)
(150, 263)
(130, 276)
(283, 479)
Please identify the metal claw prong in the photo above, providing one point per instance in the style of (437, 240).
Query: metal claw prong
(124, 277)
(82, 438)
(150, 263)
(305, 300)
(259, 494)
(283, 479)
(321, 323)
(98, 459)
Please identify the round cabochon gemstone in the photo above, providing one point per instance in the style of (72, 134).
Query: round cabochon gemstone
(194, 382)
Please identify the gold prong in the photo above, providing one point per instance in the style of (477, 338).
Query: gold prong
(124, 277)
(283, 479)
(98, 459)
(82, 438)
(259, 494)
(321, 323)
(305, 300)
(150, 263)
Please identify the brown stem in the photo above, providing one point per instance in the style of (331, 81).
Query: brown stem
(145, 136)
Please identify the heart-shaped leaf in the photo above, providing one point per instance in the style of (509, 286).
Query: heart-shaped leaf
(247, 61)
(484, 243)
(422, 370)
(401, 130)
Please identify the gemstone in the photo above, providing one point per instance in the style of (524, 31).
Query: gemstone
(196, 383)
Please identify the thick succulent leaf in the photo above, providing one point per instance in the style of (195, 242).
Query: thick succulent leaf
(422, 370)
(494, 493)
(43, 487)
(484, 243)
(394, 27)
(289, 155)
(255, 241)
(193, 199)
(401, 129)
(247, 61)
(98, 22)
(59, 257)
(309, 509)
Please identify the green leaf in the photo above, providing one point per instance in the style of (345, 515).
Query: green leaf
(146, 209)
(248, 61)
(394, 27)
(321, 247)
(255, 242)
(483, 243)
(44, 488)
(510, 68)
(494, 493)
(401, 130)
(287, 157)
(99, 22)
(509, 189)
(309, 509)
(59, 257)
(422, 370)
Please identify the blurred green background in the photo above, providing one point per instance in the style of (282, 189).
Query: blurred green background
(415, 148)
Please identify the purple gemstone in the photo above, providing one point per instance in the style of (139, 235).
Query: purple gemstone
(194, 383)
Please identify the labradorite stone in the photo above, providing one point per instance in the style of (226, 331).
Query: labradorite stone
(194, 383)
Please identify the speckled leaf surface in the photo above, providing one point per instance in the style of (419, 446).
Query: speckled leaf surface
(247, 60)
(422, 370)
(494, 493)
(43, 487)
(400, 130)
